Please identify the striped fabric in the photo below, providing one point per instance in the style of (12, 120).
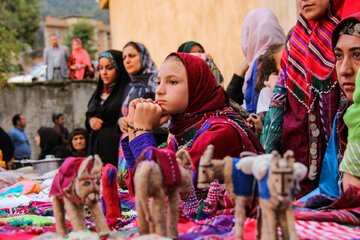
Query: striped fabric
(309, 57)
(351, 161)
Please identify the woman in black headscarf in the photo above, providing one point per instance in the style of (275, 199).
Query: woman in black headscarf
(78, 142)
(104, 107)
(50, 143)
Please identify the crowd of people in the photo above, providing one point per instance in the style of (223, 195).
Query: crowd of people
(299, 92)
(53, 141)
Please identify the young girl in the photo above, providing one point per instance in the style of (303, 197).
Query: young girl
(306, 95)
(269, 66)
(188, 95)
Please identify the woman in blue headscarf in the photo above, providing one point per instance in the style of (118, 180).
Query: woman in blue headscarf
(104, 107)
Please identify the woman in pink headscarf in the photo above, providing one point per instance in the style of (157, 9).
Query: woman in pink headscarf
(79, 60)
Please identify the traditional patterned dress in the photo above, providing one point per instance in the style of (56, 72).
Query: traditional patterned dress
(305, 97)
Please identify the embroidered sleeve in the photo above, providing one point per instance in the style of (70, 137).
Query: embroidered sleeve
(129, 156)
(271, 135)
(138, 144)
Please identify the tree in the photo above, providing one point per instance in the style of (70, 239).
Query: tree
(19, 22)
(88, 8)
(84, 31)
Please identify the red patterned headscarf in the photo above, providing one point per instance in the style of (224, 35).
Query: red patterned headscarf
(204, 94)
(310, 55)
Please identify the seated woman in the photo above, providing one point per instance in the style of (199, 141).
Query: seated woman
(78, 142)
(197, 117)
(191, 47)
(346, 44)
(50, 143)
(260, 29)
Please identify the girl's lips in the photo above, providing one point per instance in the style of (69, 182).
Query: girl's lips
(160, 102)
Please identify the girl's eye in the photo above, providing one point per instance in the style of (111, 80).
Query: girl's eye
(172, 82)
(157, 83)
(338, 56)
(356, 55)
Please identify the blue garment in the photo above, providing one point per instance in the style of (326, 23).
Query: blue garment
(242, 183)
(251, 96)
(21, 143)
(263, 187)
(133, 149)
(329, 176)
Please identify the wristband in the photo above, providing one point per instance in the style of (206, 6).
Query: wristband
(142, 129)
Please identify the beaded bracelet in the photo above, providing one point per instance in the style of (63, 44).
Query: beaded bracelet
(130, 126)
(142, 130)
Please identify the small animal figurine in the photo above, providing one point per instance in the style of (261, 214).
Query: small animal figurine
(277, 186)
(159, 172)
(76, 184)
(239, 180)
(110, 194)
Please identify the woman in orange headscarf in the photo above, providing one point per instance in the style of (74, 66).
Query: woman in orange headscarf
(79, 60)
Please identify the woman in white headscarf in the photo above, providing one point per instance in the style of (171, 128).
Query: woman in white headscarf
(260, 29)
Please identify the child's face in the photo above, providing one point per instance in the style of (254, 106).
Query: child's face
(313, 9)
(277, 57)
(347, 54)
(172, 91)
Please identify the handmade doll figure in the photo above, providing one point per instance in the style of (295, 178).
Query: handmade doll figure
(159, 172)
(76, 184)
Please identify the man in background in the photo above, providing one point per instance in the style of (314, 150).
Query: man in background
(59, 121)
(56, 57)
(19, 138)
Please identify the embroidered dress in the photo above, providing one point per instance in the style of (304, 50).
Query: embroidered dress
(305, 97)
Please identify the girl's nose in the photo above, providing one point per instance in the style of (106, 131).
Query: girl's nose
(346, 68)
(159, 90)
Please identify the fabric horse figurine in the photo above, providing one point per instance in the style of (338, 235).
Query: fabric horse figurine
(238, 177)
(159, 172)
(277, 185)
(76, 184)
